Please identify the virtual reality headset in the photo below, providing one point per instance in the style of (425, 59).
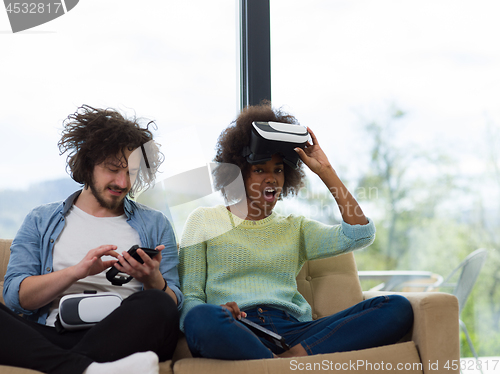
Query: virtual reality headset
(81, 311)
(269, 138)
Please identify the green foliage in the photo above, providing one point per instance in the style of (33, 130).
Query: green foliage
(430, 216)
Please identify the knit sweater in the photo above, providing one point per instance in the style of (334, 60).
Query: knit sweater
(223, 258)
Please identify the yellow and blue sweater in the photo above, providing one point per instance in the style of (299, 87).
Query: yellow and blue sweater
(223, 258)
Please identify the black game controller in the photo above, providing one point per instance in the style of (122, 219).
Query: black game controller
(116, 277)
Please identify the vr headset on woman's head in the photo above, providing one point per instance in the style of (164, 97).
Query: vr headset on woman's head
(269, 138)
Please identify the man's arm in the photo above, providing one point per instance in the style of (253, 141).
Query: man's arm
(38, 290)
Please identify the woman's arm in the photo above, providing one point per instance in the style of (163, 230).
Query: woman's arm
(193, 263)
(316, 160)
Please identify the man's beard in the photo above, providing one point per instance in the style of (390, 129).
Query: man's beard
(112, 204)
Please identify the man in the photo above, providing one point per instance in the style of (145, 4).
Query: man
(66, 247)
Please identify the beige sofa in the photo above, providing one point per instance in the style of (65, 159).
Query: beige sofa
(331, 285)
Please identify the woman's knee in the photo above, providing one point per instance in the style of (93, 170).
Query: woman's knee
(402, 303)
(204, 321)
(402, 310)
(202, 317)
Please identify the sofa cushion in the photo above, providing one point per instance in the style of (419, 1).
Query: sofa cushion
(330, 285)
(4, 256)
(13, 370)
(4, 261)
(182, 349)
(401, 357)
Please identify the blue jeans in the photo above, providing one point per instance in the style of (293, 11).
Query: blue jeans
(212, 332)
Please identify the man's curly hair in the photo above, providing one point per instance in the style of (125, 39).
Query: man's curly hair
(236, 137)
(92, 135)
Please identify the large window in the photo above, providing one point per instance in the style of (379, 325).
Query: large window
(172, 62)
(403, 96)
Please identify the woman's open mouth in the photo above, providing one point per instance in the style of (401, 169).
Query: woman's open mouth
(270, 194)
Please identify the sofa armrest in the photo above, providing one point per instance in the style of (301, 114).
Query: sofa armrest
(435, 328)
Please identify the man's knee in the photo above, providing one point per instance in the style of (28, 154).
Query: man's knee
(154, 304)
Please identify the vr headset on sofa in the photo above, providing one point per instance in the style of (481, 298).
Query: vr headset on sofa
(269, 138)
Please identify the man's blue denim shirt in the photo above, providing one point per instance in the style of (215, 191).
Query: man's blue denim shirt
(31, 250)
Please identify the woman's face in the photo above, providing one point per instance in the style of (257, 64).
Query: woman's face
(264, 184)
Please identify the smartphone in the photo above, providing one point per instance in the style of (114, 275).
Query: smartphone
(262, 332)
(116, 277)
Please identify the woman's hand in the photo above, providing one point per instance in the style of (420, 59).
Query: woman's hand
(316, 160)
(313, 156)
(233, 308)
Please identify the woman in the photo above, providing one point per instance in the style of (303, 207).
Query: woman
(242, 260)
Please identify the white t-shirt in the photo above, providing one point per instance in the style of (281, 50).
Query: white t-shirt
(83, 232)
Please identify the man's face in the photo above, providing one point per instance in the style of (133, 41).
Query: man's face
(114, 178)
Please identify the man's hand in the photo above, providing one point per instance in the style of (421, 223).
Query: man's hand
(92, 263)
(148, 273)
